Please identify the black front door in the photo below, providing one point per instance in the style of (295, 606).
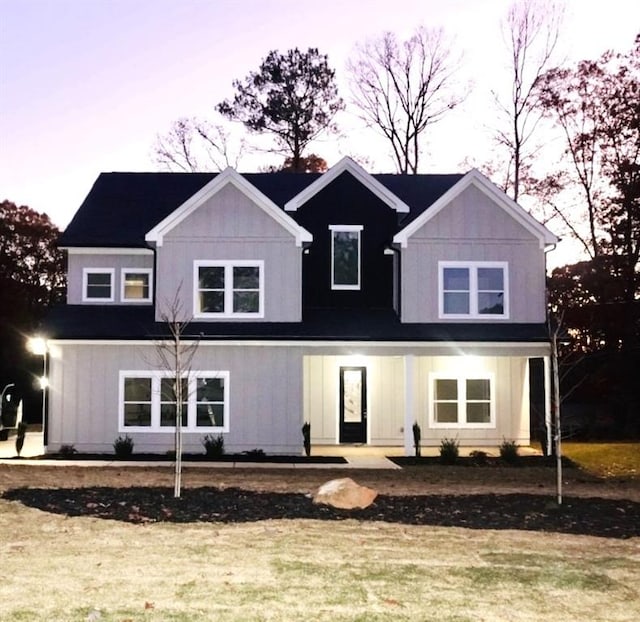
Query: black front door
(353, 404)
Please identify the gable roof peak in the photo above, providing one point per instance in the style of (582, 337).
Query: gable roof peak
(347, 164)
(484, 184)
(228, 176)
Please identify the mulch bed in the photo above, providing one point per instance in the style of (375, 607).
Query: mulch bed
(610, 518)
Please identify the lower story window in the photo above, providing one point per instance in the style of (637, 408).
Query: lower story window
(462, 401)
(148, 401)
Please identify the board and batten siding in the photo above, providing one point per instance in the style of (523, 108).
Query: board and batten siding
(227, 227)
(116, 261)
(265, 401)
(385, 403)
(386, 397)
(473, 228)
(511, 384)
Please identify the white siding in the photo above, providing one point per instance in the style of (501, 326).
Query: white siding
(231, 227)
(473, 228)
(265, 402)
(511, 382)
(78, 261)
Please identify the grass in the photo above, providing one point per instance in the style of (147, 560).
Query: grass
(605, 459)
(79, 569)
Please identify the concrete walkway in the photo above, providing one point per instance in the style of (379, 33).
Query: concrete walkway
(357, 457)
(33, 446)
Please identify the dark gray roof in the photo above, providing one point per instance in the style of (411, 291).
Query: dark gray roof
(122, 207)
(136, 322)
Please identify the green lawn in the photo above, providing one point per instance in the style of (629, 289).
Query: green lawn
(605, 459)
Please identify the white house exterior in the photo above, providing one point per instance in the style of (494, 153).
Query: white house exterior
(359, 303)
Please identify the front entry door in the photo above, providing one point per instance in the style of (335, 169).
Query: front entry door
(353, 404)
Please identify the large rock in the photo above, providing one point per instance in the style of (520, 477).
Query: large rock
(345, 494)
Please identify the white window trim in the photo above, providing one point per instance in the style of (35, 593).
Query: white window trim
(155, 426)
(228, 265)
(473, 266)
(461, 379)
(342, 229)
(123, 274)
(85, 278)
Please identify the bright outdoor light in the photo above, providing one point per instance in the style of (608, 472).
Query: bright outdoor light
(44, 382)
(37, 345)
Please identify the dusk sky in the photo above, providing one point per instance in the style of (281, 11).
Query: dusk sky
(86, 85)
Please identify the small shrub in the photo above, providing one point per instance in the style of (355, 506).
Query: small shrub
(509, 452)
(213, 446)
(306, 438)
(449, 451)
(256, 454)
(478, 456)
(123, 446)
(67, 450)
(417, 436)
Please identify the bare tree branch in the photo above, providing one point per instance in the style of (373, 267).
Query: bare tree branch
(401, 88)
(193, 145)
(531, 33)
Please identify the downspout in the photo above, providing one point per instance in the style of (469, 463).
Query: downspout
(397, 302)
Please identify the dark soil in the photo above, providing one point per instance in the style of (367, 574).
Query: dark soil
(610, 518)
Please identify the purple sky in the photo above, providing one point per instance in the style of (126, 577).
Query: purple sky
(85, 85)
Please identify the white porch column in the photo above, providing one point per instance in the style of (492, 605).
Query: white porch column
(408, 404)
(547, 401)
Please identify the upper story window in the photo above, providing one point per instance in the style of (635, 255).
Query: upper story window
(229, 289)
(345, 256)
(135, 285)
(462, 401)
(473, 290)
(97, 284)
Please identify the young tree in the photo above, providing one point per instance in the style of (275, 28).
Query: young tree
(292, 96)
(402, 88)
(531, 34)
(175, 356)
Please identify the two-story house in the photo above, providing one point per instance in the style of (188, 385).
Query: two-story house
(359, 303)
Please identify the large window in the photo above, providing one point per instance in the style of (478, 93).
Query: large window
(97, 285)
(461, 401)
(229, 289)
(148, 401)
(135, 285)
(345, 256)
(473, 290)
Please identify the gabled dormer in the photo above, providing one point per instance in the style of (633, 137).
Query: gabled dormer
(232, 254)
(474, 256)
(352, 217)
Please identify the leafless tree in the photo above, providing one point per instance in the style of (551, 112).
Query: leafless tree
(531, 32)
(402, 87)
(175, 355)
(193, 145)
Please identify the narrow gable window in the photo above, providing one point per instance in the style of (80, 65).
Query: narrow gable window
(136, 285)
(229, 289)
(345, 256)
(97, 285)
(473, 290)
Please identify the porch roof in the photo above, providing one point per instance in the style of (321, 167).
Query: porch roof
(119, 322)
